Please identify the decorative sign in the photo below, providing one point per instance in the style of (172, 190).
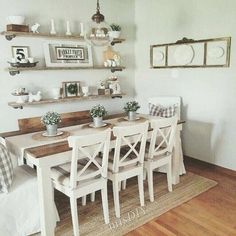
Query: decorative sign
(20, 53)
(191, 53)
(69, 53)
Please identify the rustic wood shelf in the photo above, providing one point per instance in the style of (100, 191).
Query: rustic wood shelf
(9, 35)
(62, 100)
(13, 71)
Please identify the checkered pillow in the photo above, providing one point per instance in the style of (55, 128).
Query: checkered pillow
(6, 170)
(158, 110)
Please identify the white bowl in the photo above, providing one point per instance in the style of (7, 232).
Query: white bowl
(16, 20)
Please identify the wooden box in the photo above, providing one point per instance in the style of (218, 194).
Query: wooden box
(104, 91)
(18, 28)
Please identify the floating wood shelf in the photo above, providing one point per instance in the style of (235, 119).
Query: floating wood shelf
(13, 71)
(62, 100)
(9, 35)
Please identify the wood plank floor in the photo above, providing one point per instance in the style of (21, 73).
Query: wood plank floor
(211, 213)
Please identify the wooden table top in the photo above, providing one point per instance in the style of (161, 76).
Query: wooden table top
(55, 148)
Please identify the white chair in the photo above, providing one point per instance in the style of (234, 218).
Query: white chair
(122, 167)
(76, 180)
(169, 101)
(160, 153)
(19, 209)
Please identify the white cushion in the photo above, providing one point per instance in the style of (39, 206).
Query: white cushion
(61, 173)
(19, 209)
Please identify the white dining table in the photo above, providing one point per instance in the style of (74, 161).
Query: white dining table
(34, 152)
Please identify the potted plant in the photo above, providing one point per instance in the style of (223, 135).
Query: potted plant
(131, 108)
(116, 29)
(50, 120)
(97, 112)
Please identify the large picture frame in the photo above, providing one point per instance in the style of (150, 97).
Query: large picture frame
(70, 89)
(189, 53)
(67, 54)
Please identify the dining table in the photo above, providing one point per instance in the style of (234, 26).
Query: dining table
(42, 152)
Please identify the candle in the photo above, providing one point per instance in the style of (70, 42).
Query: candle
(53, 31)
(68, 28)
(82, 29)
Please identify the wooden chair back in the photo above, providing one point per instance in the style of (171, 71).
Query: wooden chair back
(134, 137)
(33, 124)
(88, 148)
(163, 136)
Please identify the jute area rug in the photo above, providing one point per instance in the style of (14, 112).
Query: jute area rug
(132, 214)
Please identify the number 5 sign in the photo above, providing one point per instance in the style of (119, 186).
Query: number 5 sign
(20, 52)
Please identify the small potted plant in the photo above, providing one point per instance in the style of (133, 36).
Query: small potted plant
(97, 112)
(51, 120)
(116, 29)
(131, 108)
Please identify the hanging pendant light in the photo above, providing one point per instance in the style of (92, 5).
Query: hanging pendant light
(97, 31)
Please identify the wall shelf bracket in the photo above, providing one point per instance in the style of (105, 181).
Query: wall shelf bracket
(9, 37)
(14, 72)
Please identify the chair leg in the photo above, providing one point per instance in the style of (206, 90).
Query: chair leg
(140, 189)
(105, 205)
(116, 197)
(84, 200)
(169, 177)
(74, 214)
(92, 196)
(123, 184)
(119, 185)
(144, 174)
(150, 183)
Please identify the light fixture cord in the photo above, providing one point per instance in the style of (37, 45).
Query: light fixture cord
(98, 6)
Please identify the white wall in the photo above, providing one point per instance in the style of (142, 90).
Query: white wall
(75, 11)
(209, 95)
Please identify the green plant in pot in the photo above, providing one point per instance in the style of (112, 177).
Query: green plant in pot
(97, 113)
(131, 109)
(51, 120)
(116, 30)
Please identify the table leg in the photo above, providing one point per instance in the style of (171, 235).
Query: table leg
(176, 159)
(46, 201)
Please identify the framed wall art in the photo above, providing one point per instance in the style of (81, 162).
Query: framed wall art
(191, 53)
(20, 52)
(68, 54)
(70, 89)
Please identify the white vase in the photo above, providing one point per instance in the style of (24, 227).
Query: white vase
(51, 130)
(97, 121)
(114, 34)
(132, 115)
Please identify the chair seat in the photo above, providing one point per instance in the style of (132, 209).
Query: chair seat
(20, 203)
(157, 158)
(61, 173)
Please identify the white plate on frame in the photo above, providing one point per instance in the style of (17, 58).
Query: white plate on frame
(58, 134)
(184, 54)
(103, 125)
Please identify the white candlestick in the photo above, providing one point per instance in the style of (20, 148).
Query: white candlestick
(82, 29)
(53, 31)
(68, 28)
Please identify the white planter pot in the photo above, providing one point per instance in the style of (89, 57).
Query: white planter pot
(114, 34)
(97, 121)
(132, 115)
(51, 130)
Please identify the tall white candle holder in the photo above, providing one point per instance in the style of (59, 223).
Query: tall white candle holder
(82, 29)
(53, 31)
(68, 32)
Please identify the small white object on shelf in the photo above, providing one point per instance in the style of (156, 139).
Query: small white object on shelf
(81, 29)
(16, 20)
(56, 93)
(35, 28)
(85, 91)
(35, 97)
(68, 32)
(53, 31)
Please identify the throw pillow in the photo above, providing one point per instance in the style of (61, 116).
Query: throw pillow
(159, 110)
(6, 170)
